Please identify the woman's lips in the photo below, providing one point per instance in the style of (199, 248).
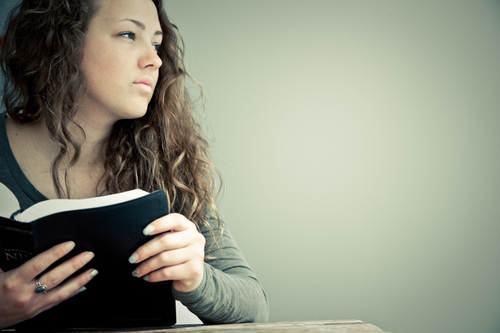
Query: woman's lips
(144, 86)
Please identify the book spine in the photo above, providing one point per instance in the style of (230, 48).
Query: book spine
(16, 243)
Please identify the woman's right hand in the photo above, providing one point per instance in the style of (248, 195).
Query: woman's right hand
(18, 300)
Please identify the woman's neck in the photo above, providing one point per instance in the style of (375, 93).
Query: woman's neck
(35, 152)
(91, 142)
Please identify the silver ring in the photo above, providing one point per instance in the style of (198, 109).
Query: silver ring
(40, 288)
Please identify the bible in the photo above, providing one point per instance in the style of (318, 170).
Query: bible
(111, 227)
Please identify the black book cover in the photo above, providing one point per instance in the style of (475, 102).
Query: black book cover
(114, 298)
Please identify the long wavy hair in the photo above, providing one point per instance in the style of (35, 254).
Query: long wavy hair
(165, 149)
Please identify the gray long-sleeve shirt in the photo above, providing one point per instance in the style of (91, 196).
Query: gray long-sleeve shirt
(229, 292)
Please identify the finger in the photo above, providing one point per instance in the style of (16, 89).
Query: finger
(68, 289)
(165, 242)
(171, 273)
(81, 287)
(163, 259)
(174, 222)
(64, 270)
(36, 265)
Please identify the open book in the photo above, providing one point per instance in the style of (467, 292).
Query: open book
(111, 227)
(50, 207)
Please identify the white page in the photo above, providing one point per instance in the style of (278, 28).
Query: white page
(8, 202)
(49, 207)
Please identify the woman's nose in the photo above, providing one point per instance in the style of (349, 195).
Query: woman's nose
(150, 59)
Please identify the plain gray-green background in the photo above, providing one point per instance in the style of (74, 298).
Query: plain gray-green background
(360, 146)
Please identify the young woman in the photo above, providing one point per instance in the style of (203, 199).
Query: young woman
(96, 104)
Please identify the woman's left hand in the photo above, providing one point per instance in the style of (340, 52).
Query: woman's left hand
(175, 254)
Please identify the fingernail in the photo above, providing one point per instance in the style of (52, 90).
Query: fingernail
(133, 258)
(148, 230)
(145, 277)
(135, 273)
(88, 256)
(82, 289)
(94, 273)
(68, 246)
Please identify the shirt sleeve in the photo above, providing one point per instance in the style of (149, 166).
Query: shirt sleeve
(230, 291)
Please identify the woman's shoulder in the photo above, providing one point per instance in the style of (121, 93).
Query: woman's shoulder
(11, 134)
(30, 158)
(17, 135)
(15, 131)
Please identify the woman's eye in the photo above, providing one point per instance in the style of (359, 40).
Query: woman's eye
(157, 47)
(129, 35)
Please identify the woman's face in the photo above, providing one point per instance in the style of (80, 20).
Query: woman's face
(120, 60)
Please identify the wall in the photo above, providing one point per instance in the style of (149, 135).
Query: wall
(360, 145)
(360, 148)
(5, 7)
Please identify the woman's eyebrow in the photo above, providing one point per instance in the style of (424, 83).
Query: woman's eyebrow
(142, 26)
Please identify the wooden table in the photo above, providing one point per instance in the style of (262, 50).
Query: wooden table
(338, 326)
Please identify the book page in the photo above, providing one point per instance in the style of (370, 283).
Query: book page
(8, 202)
(53, 206)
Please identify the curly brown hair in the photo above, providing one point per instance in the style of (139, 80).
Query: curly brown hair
(165, 149)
